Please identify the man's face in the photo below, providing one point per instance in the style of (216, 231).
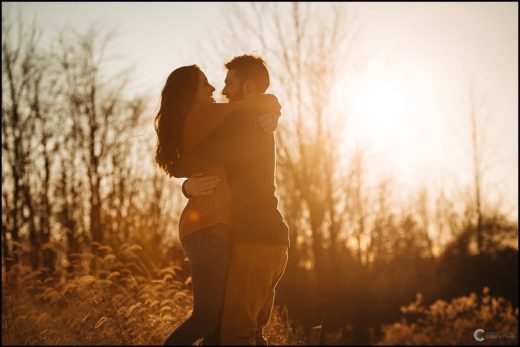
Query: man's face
(233, 89)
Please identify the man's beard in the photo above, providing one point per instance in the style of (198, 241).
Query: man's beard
(237, 96)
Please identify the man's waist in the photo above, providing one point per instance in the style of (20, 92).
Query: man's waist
(261, 244)
(261, 236)
(249, 200)
(261, 227)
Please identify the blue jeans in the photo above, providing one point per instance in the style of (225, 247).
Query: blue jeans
(208, 252)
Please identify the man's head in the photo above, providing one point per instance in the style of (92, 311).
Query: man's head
(247, 75)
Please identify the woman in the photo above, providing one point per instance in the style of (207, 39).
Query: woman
(188, 113)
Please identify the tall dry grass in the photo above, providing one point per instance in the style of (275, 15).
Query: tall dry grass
(102, 298)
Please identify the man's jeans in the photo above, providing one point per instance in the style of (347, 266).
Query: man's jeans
(254, 272)
(208, 252)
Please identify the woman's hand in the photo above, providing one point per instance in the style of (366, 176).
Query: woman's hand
(265, 103)
(269, 121)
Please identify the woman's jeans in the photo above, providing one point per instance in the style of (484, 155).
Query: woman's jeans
(208, 252)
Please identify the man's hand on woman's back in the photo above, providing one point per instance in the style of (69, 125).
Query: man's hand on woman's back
(199, 185)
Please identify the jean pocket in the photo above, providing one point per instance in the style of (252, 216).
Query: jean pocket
(216, 239)
(191, 245)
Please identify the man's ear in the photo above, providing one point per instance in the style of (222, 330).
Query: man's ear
(248, 86)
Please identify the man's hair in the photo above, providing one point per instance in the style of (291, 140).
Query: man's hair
(250, 67)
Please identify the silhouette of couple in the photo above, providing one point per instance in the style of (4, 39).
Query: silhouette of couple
(231, 231)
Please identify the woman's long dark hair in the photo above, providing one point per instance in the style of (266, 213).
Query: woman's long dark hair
(177, 98)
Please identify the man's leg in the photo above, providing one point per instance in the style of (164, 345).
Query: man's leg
(267, 309)
(213, 338)
(253, 273)
(262, 320)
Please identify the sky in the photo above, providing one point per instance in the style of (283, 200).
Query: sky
(407, 103)
(432, 51)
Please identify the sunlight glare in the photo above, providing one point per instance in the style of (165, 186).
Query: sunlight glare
(382, 120)
(379, 110)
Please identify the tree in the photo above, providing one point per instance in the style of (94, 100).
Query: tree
(485, 222)
(101, 116)
(22, 72)
(477, 138)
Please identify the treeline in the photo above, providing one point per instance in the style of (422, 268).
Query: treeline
(77, 151)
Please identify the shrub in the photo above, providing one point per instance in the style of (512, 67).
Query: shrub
(454, 322)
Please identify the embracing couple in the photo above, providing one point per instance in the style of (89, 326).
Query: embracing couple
(231, 231)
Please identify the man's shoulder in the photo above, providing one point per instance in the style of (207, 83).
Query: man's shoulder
(244, 114)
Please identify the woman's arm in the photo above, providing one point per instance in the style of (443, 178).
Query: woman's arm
(203, 120)
(261, 103)
(239, 136)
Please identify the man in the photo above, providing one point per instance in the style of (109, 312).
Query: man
(260, 236)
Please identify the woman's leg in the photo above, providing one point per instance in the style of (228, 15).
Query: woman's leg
(208, 252)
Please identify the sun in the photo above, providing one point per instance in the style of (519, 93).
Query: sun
(390, 118)
(379, 110)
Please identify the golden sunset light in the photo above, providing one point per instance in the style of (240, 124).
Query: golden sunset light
(259, 173)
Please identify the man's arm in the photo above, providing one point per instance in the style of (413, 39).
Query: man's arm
(203, 120)
(238, 136)
(199, 185)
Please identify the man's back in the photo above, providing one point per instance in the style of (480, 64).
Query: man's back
(253, 192)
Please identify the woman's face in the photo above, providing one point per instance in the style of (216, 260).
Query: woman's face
(205, 91)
